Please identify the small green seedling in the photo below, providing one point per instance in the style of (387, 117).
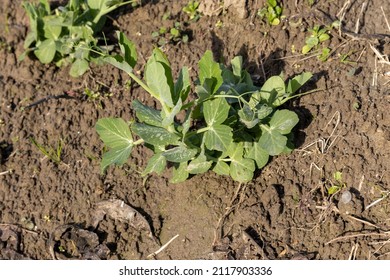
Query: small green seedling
(68, 35)
(171, 35)
(318, 36)
(192, 10)
(338, 183)
(54, 154)
(272, 12)
(233, 127)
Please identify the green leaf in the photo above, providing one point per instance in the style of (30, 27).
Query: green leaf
(154, 135)
(248, 116)
(180, 154)
(114, 156)
(333, 189)
(78, 68)
(52, 27)
(306, 49)
(312, 41)
(169, 119)
(199, 165)
(274, 83)
(46, 5)
(179, 173)
(182, 85)
(275, 21)
(283, 121)
(242, 169)
(209, 69)
(298, 81)
(258, 154)
(237, 66)
(46, 51)
(272, 141)
(272, 89)
(147, 114)
(115, 133)
(215, 111)
(158, 82)
(127, 48)
(338, 176)
(118, 62)
(264, 111)
(156, 163)
(221, 168)
(323, 37)
(218, 137)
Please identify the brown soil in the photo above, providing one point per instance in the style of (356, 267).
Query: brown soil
(49, 210)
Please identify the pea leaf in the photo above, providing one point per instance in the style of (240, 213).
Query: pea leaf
(169, 119)
(221, 168)
(147, 114)
(116, 134)
(154, 135)
(182, 85)
(79, 67)
(179, 154)
(218, 137)
(156, 163)
(272, 141)
(237, 66)
(179, 173)
(127, 48)
(210, 70)
(242, 169)
(158, 82)
(46, 51)
(258, 154)
(274, 83)
(215, 111)
(283, 121)
(119, 62)
(248, 116)
(298, 81)
(52, 27)
(199, 165)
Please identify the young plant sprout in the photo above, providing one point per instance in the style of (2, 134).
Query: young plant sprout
(233, 127)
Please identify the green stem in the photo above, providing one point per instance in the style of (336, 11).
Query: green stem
(299, 95)
(138, 142)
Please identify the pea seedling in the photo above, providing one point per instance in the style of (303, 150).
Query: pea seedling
(68, 34)
(233, 127)
(272, 12)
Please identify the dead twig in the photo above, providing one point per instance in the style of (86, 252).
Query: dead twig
(352, 255)
(357, 25)
(384, 15)
(6, 172)
(349, 236)
(153, 255)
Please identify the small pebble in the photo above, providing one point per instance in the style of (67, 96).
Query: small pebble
(346, 197)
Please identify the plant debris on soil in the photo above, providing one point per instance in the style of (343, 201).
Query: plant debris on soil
(297, 207)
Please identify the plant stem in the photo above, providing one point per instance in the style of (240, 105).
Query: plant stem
(138, 142)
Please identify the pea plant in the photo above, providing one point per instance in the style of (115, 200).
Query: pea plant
(67, 34)
(318, 36)
(231, 128)
(272, 11)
